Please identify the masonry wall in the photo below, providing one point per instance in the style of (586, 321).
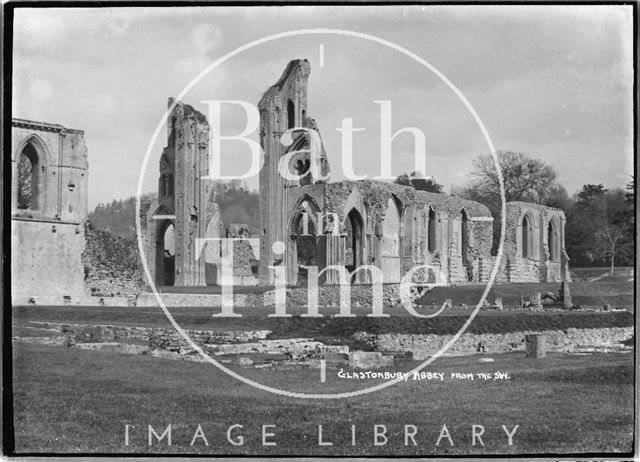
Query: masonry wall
(423, 346)
(46, 258)
(47, 238)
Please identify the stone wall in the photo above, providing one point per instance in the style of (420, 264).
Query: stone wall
(46, 258)
(112, 265)
(422, 346)
(62, 160)
(47, 234)
(329, 295)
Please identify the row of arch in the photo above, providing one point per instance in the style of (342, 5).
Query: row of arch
(394, 244)
(528, 239)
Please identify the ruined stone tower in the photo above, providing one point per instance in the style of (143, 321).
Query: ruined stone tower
(283, 106)
(184, 205)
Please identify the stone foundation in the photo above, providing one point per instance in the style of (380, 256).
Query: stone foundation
(423, 346)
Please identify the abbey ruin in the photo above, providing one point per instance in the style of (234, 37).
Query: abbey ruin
(317, 223)
(48, 208)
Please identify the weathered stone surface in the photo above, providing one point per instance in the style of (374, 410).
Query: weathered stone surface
(535, 346)
(47, 234)
(423, 346)
(369, 360)
(112, 266)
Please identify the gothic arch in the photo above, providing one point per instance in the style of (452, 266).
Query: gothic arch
(291, 114)
(527, 225)
(354, 232)
(553, 239)
(431, 230)
(296, 216)
(165, 258)
(355, 201)
(32, 161)
(464, 231)
(302, 245)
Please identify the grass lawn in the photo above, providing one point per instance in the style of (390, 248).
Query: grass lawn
(622, 273)
(73, 401)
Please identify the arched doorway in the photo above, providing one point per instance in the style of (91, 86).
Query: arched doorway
(306, 252)
(165, 260)
(354, 228)
(304, 241)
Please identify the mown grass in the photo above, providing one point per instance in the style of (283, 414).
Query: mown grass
(73, 401)
(341, 328)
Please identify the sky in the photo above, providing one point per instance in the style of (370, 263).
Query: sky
(554, 82)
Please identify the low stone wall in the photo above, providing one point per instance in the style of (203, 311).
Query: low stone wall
(329, 295)
(76, 300)
(422, 346)
(106, 333)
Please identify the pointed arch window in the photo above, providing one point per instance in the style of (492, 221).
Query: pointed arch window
(431, 233)
(29, 178)
(553, 241)
(527, 237)
(291, 114)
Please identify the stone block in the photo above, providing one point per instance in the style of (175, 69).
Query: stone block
(245, 362)
(535, 346)
(565, 295)
(369, 360)
(335, 358)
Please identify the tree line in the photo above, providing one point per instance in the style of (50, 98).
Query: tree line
(600, 227)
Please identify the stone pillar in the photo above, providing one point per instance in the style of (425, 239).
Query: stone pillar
(535, 346)
(565, 295)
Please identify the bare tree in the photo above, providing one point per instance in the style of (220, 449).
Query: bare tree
(525, 179)
(612, 240)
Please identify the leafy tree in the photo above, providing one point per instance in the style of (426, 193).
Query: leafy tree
(600, 227)
(417, 181)
(237, 205)
(525, 179)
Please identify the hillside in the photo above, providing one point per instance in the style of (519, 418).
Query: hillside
(237, 205)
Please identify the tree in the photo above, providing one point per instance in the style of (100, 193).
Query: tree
(613, 231)
(418, 181)
(525, 179)
(600, 227)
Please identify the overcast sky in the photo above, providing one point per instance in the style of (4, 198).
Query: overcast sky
(554, 82)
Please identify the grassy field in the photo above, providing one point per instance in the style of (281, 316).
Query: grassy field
(400, 322)
(618, 291)
(68, 400)
(622, 273)
(72, 401)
